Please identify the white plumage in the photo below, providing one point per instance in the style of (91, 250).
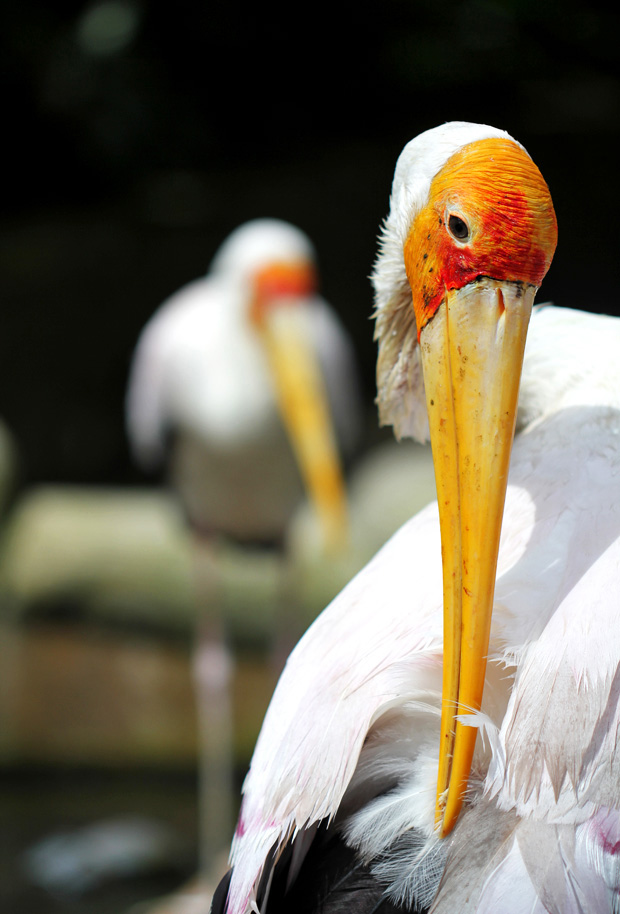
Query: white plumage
(351, 736)
(201, 374)
(215, 393)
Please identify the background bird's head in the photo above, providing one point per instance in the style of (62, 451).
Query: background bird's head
(271, 261)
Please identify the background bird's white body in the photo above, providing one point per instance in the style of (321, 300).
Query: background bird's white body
(200, 373)
(356, 711)
(204, 395)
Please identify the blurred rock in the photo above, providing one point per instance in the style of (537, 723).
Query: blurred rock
(120, 554)
(86, 696)
(125, 556)
(98, 591)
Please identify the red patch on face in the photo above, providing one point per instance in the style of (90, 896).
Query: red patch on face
(500, 197)
(277, 282)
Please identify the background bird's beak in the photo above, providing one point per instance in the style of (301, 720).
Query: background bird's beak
(305, 411)
(472, 355)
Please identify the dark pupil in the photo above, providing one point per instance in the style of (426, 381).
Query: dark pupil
(458, 227)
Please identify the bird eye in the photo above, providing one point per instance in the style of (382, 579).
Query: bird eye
(458, 227)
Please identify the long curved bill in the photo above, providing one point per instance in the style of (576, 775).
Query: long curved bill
(303, 402)
(472, 355)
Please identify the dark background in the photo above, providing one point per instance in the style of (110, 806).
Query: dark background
(137, 135)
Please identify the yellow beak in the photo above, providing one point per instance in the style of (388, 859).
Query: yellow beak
(303, 403)
(472, 355)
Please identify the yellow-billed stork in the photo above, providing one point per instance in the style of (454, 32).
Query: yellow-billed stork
(361, 768)
(246, 372)
(243, 383)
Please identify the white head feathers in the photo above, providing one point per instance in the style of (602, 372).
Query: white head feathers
(257, 243)
(400, 397)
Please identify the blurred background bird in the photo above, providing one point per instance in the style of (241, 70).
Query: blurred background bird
(362, 765)
(239, 373)
(244, 384)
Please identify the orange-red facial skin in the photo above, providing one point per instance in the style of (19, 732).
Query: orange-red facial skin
(498, 191)
(278, 281)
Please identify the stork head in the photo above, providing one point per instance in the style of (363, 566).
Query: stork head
(272, 265)
(271, 260)
(470, 236)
